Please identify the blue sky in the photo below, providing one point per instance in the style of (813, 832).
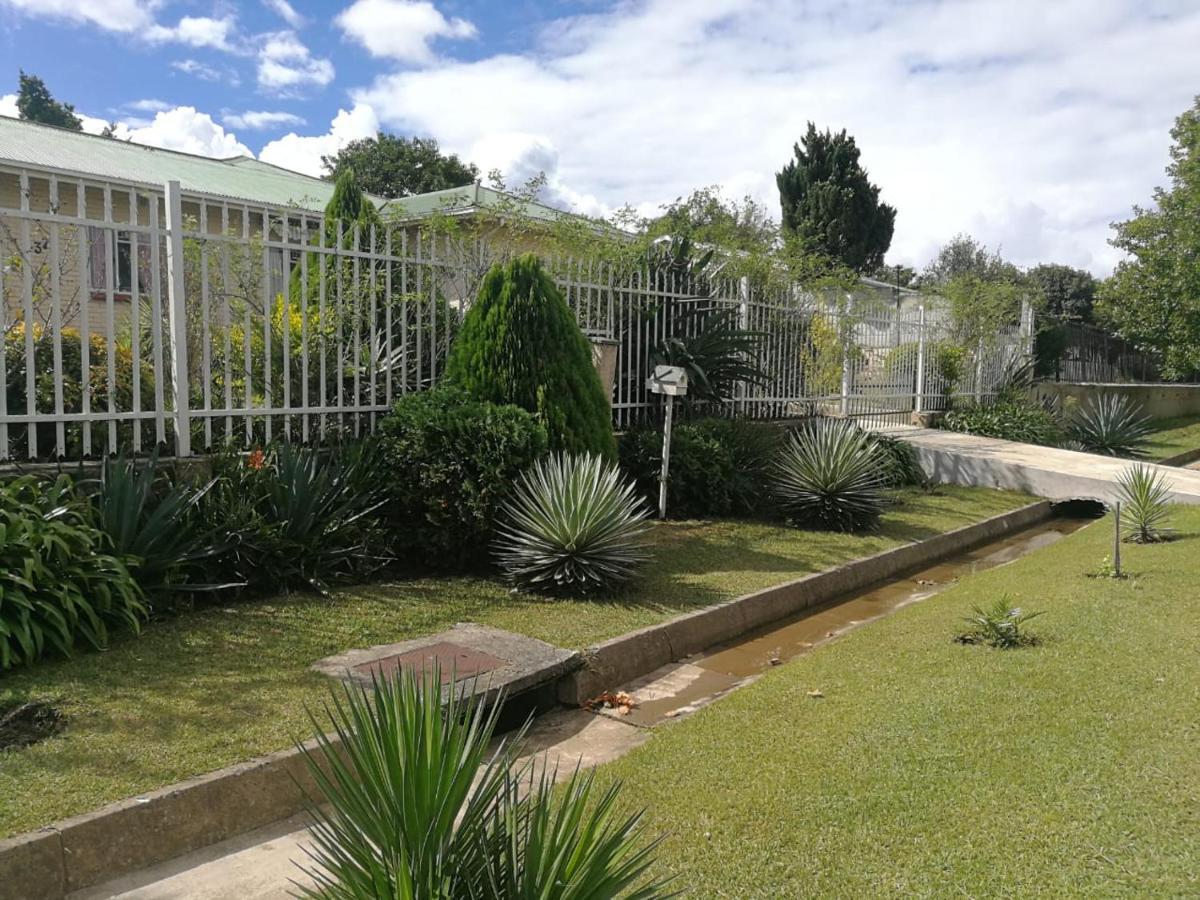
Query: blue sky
(1029, 124)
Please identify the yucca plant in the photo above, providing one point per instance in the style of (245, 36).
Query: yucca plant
(153, 520)
(1145, 497)
(1000, 625)
(829, 475)
(412, 802)
(573, 525)
(1110, 424)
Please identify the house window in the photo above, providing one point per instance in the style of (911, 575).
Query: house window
(120, 260)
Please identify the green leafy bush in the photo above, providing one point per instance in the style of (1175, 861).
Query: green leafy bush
(59, 585)
(898, 463)
(1110, 424)
(1145, 505)
(574, 525)
(297, 516)
(1000, 625)
(828, 475)
(448, 462)
(718, 466)
(413, 801)
(1022, 421)
(520, 344)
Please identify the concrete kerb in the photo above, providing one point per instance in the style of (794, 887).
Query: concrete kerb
(637, 653)
(1180, 459)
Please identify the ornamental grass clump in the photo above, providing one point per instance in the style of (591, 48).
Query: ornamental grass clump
(413, 801)
(574, 525)
(829, 476)
(1110, 424)
(1145, 505)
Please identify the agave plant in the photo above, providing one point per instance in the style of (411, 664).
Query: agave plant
(716, 352)
(1111, 424)
(573, 525)
(412, 802)
(153, 520)
(1000, 625)
(1145, 498)
(828, 475)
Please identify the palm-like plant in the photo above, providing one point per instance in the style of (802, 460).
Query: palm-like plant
(829, 475)
(1110, 424)
(573, 525)
(153, 521)
(716, 352)
(413, 804)
(1000, 625)
(1145, 498)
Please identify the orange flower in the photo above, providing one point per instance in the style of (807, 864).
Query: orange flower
(256, 460)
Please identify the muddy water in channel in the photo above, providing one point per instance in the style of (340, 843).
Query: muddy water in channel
(685, 687)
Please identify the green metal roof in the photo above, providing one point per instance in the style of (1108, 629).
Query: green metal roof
(75, 153)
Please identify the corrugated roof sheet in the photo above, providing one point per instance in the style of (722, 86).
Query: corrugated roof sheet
(242, 178)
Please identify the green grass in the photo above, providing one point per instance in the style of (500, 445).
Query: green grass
(1173, 436)
(934, 769)
(227, 683)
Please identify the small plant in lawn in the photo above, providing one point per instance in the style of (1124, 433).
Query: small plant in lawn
(413, 802)
(828, 475)
(574, 525)
(1110, 424)
(1145, 505)
(1000, 625)
(1107, 569)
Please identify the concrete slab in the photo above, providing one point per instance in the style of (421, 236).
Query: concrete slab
(487, 659)
(1049, 472)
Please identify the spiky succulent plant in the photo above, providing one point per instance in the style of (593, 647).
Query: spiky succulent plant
(1145, 498)
(1110, 424)
(574, 525)
(829, 475)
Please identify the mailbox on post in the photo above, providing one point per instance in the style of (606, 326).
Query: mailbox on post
(671, 382)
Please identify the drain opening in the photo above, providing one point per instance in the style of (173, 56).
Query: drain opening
(1079, 508)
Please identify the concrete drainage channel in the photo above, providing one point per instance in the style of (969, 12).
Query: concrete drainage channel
(670, 670)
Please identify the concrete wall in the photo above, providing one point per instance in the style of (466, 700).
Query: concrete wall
(1159, 401)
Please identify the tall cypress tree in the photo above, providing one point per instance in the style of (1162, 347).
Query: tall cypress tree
(36, 104)
(520, 344)
(829, 203)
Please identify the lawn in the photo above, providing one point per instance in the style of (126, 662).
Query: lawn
(1173, 436)
(224, 684)
(935, 769)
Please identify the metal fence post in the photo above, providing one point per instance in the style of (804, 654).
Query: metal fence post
(919, 403)
(844, 334)
(743, 293)
(177, 320)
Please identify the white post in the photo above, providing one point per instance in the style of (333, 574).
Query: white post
(666, 460)
(743, 323)
(919, 404)
(845, 335)
(1117, 538)
(979, 371)
(177, 320)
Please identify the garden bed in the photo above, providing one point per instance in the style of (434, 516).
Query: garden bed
(1070, 768)
(228, 683)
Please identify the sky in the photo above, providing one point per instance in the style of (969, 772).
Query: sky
(1029, 124)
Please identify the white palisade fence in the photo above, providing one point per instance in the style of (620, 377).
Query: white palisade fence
(136, 316)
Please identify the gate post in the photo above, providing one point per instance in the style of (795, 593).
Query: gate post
(919, 400)
(177, 320)
(743, 290)
(844, 334)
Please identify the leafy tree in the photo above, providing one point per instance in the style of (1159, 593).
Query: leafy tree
(828, 201)
(963, 255)
(520, 344)
(706, 217)
(1153, 298)
(1068, 293)
(391, 166)
(36, 104)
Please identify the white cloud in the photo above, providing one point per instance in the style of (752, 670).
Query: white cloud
(187, 129)
(1031, 124)
(400, 29)
(303, 154)
(285, 11)
(147, 105)
(257, 121)
(111, 15)
(522, 157)
(196, 31)
(206, 72)
(8, 105)
(285, 65)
